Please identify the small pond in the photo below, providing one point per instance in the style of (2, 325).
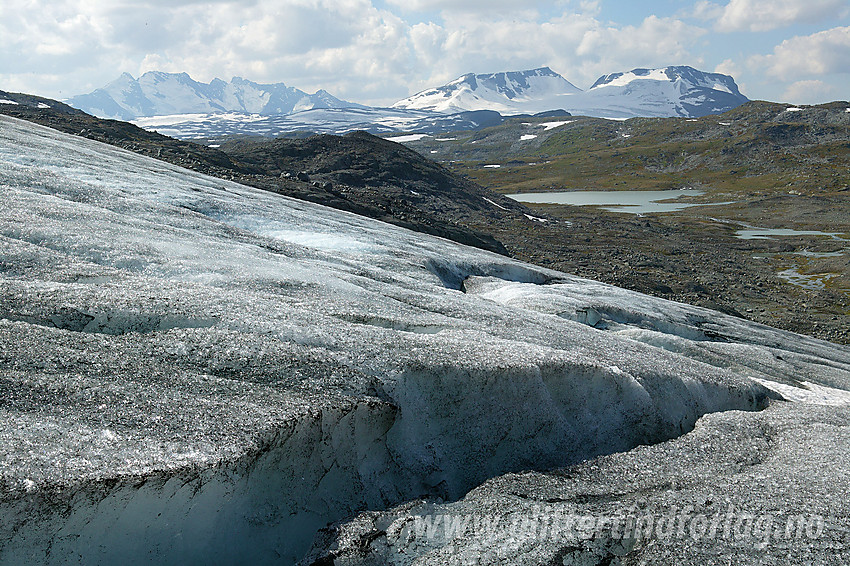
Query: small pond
(636, 202)
(752, 233)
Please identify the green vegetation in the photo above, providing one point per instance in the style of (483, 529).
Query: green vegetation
(758, 148)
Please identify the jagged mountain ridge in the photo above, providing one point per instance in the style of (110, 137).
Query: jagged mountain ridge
(679, 91)
(676, 91)
(219, 107)
(159, 94)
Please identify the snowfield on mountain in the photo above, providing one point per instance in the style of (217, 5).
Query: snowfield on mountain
(669, 91)
(158, 94)
(177, 105)
(195, 371)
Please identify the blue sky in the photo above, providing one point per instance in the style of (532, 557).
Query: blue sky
(378, 51)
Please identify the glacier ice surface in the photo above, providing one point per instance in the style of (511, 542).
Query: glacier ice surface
(196, 370)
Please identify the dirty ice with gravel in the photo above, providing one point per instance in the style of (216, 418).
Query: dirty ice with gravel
(194, 371)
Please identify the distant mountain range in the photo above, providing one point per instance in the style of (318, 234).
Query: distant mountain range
(670, 91)
(182, 107)
(161, 94)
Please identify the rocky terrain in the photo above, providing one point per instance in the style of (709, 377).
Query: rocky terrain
(769, 165)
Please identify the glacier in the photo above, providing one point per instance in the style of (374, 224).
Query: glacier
(195, 371)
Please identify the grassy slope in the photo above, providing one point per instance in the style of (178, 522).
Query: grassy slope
(759, 148)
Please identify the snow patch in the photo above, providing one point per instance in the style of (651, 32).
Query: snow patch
(627, 78)
(793, 109)
(492, 166)
(321, 241)
(407, 138)
(527, 137)
(5, 101)
(722, 88)
(807, 392)
(552, 125)
(536, 218)
(494, 204)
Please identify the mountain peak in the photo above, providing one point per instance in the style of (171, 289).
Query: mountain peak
(681, 73)
(511, 92)
(667, 91)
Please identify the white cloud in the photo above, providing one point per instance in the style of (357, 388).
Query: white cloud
(655, 42)
(818, 54)
(471, 6)
(377, 51)
(808, 92)
(346, 46)
(757, 15)
(705, 10)
(728, 67)
(577, 45)
(350, 47)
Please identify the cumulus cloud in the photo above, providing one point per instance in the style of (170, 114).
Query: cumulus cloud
(372, 51)
(755, 15)
(477, 6)
(808, 92)
(728, 67)
(705, 10)
(655, 42)
(821, 53)
(346, 45)
(577, 45)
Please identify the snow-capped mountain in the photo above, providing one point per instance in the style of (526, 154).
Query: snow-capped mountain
(190, 109)
(158, 94)
(669, 91)
(515, 92)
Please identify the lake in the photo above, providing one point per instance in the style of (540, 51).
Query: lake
(753, 233)
(635, 202)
